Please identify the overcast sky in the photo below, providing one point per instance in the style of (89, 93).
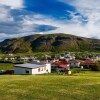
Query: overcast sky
(25, 17)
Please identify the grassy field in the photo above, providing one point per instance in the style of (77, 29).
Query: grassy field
(80, 86)
(6, 66)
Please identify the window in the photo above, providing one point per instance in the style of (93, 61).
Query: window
(41, 68)
(27, 72)
(38, 69)
(47, 70)
(44, 68)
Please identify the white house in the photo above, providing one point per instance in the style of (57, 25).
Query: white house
(75, 63)
(10, 54)
(30, 68)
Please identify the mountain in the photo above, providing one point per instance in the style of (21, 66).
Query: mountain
(49, 42)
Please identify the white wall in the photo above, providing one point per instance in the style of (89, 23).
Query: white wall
(42, 70)
(48, 67)
(75, 64)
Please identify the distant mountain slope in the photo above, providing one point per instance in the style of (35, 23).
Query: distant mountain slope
(49, 42)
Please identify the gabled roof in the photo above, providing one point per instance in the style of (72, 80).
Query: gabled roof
(61, 64)
(76, 61)
(87, 62)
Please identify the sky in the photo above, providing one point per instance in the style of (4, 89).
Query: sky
(20, 18)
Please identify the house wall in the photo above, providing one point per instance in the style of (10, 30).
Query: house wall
(48, 67)
(75, 64)
(19, 70)
(42, 70)
(60, 69)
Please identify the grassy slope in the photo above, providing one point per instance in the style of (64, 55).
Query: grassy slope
(84, 86)
(49, 42)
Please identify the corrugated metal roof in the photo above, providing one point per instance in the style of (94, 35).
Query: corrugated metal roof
(29, 65)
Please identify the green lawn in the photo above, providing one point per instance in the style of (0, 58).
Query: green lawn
(6, 66)
(80, 86)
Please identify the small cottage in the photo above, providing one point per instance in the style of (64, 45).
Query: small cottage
(30, 68)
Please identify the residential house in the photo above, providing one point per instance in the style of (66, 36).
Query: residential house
(10, 54)
(60, 66)
(75, 63)
(88, 63)
(32, 68)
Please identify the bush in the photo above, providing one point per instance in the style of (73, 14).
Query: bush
(96, 67)
(76, 70)
(5, 61)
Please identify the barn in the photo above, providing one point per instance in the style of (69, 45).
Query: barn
(31, 69)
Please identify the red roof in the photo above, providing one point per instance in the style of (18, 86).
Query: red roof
(87, 62)
(76, 61)
(62, 64)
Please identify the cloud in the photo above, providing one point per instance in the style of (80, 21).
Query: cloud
(4, 36)
(87, 22)
(5, 14)
(23, 25)
(14, 4)
(36, 23)
(85, 4)
(16, 22)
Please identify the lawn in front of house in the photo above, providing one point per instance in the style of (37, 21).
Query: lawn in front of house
(79, 86)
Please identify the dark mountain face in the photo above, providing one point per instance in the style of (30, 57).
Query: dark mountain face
(49, 42)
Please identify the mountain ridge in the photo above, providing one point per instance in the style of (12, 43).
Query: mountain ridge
(49, 42)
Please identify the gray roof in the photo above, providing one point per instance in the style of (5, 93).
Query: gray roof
(29, 65)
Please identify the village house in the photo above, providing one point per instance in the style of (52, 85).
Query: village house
(32, 68)
(10, 54)
(60, 66)
(75, 63)
(88, 63)
(52, 60)
(11, 58)
(5, 59)
(97, 58)
(67, 57)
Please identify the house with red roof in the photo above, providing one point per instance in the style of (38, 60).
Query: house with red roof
(75, 63)
(61, 66)
(88, 63)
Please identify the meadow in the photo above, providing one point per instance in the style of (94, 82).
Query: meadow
(6, 66)
(79, 86)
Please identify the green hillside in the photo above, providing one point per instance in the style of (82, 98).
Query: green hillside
(82, 86)
(49, 42)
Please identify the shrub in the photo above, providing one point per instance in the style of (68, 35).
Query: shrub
(76, 70)
(96, 67)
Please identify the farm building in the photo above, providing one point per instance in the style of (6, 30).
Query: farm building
(30, 68)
